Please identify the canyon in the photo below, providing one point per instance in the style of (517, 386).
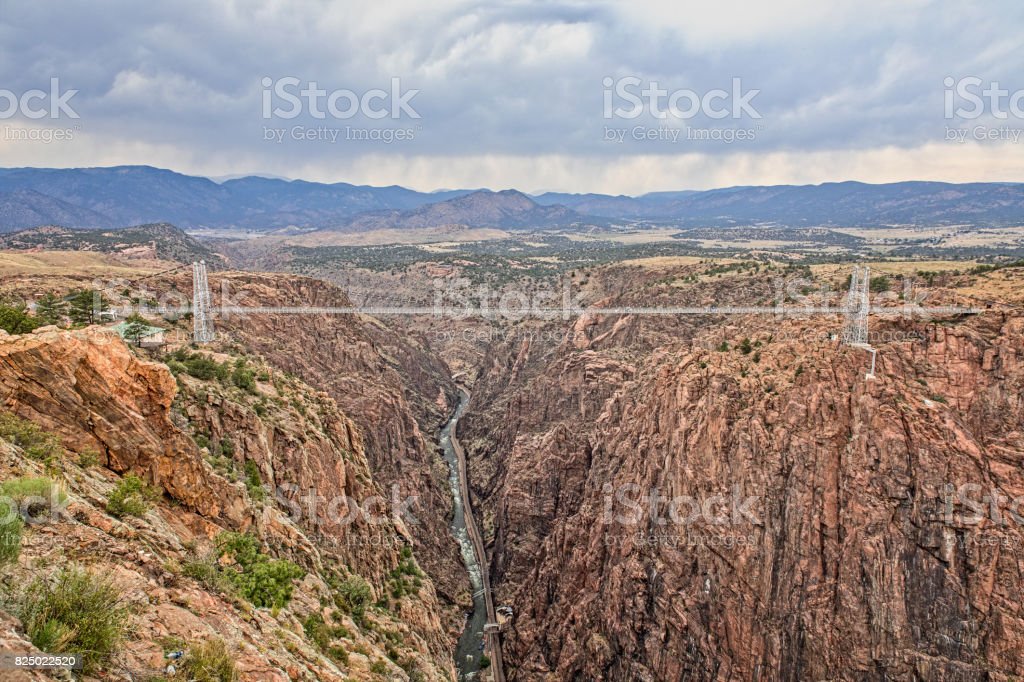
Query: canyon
(659, 497)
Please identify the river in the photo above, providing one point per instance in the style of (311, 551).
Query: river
(469, 650)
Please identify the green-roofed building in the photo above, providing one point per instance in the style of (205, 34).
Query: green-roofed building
(140, 334)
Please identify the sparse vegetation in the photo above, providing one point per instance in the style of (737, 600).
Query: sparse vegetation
(265, 582)
(76, 611)
(252, 481)
(208, 661)
(38, 444)
(352, 596)
(131, 497)
(879, 284)
(321, 635)
(88, 458)
(207, 573)
(10, 532)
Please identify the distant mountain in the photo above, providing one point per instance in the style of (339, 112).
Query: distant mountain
(619, 206)
(161, 240)
(508, 209)
(27, 208)
(132, 195)
(842, 204)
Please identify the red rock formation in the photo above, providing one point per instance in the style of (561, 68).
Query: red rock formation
(91, 390)
(851, 564)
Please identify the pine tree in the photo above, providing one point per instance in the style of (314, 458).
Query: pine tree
(50, 309)
(85, 305)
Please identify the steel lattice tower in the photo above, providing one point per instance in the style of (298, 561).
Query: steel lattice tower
(857, 307)
(202, 325)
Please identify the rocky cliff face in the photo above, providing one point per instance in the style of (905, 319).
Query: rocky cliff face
(661, 506)
(396, 391)
(88, 388)
(274, 459)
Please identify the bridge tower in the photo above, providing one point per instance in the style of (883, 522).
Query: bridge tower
(858, 305)
(202, 325)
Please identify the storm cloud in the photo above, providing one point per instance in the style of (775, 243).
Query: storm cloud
(518, 94)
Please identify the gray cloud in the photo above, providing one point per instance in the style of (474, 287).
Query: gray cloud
(179, 84)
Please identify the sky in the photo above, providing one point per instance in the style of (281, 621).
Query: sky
(611, 97)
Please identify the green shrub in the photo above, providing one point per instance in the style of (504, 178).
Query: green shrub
(317, 631)
(208, 574)
(202, 367)
(244, 379)
(10, 533)
(38, 444)
(266, 582)
(177, 367)
(131, 497)
(353, 595)
(209, 661)
(32, 494)
(252, 481)
(320, 634)
(485, 662)
(77, 611)
(16, 320)
(745, 346)
(88, 459)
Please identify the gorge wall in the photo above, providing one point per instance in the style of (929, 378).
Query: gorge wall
(861, 555)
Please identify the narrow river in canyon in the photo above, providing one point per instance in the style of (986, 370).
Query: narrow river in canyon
(469, 650)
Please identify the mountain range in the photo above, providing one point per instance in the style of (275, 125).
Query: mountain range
(132, 195)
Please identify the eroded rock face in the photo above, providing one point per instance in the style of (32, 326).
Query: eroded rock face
(860, 557)
(393, 388)
(89, 388)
